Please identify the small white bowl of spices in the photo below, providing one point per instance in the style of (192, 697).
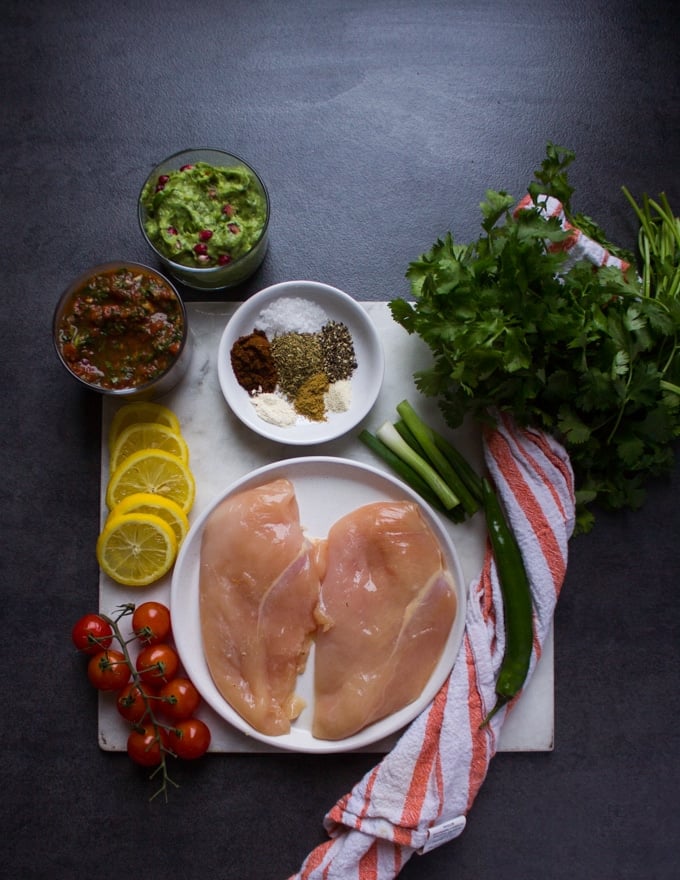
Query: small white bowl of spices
(300, 362)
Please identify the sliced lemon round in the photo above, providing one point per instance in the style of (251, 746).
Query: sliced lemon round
(136, 549)
(154, 471)
(157, 505)
(141, 411)
(147, 435)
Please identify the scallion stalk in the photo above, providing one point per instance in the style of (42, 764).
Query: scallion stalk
(405, 471)
(389, 435)
(424, 437)
(463, 468)
(407, 434)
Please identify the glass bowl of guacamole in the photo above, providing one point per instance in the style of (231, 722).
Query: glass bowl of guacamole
(205, 213)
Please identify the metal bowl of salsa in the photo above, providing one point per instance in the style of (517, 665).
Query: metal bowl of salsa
(121, 329)
(205, 214)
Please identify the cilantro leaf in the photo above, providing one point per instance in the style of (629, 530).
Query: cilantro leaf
(589, 354)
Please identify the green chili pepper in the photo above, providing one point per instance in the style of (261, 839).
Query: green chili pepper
(517, 605)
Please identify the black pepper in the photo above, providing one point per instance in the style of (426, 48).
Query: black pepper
(338, 355)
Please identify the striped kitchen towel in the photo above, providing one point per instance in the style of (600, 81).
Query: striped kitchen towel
(577, 244)
(419, 795)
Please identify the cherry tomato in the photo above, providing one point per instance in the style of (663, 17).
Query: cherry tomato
(151, 623)
(91, 634)
(131, 704)
(189, 739)
(157, 664)
(179, 699)
(108, 670)
(145, 745)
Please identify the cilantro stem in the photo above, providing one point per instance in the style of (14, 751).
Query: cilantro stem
(669, 386)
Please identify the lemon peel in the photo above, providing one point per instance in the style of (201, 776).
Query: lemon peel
(157, 505)
(154, 471)
(141, 411)
(136, 549)
(147, 435)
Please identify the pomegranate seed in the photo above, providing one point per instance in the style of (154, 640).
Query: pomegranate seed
(223, 259)
(200, 249)
(159, 187)
(172, 230)
(163, 179)
(234, 227)
(205, 234)
(228, 210)
(186, 167)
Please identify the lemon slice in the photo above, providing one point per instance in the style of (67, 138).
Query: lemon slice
(141, 411)
(136, 549)
(157, 505)
(147, 435)
(154, 471)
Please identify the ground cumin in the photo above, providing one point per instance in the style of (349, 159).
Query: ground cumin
(309, 401)
(253, 364)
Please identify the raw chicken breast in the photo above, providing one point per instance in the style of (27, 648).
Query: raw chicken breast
(259, 590)
(391, 602)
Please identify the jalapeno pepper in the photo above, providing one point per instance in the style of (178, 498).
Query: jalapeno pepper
(517, 605)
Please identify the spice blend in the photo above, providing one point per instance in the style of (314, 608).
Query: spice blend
(297, 357)
(296, 362)
(253, 364)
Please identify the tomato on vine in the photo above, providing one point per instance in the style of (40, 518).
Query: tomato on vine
(108, 670)
(151, 623)
(134, 700)
(146, 745)
(189, 739)
(157, 664)
(151, 695)
(179, 699)
(92, 634)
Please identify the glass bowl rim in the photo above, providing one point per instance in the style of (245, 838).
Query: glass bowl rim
(197, 270)
(72, 288)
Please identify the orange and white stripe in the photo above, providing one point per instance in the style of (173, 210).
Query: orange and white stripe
(577, 244)
(419, 795)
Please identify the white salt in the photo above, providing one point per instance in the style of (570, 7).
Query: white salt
(274, 409)
(291, 315)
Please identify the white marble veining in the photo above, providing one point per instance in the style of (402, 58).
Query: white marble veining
(222, 449)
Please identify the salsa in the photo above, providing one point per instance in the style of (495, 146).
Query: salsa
(121, 329)
(203, 215)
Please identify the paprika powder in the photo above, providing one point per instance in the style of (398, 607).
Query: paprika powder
(253, 364)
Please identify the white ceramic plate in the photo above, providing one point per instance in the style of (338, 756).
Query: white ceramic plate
(366, 380)
(326, 489)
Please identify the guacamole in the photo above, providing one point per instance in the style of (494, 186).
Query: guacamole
(202, 215)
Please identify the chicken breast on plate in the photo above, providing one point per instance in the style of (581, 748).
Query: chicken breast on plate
(390, 602)
(258, 592)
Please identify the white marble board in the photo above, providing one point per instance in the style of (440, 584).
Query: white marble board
(222, 449)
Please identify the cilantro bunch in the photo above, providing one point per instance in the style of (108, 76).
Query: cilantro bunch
(591, 355)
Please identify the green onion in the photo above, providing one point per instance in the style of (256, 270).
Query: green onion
(405, 471)
(463, 468)
(407, 434)
(389, 435)
(424, 437)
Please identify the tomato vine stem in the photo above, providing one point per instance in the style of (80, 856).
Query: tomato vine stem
(162, 768)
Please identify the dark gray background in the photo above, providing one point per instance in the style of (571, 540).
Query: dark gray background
(377, 125)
